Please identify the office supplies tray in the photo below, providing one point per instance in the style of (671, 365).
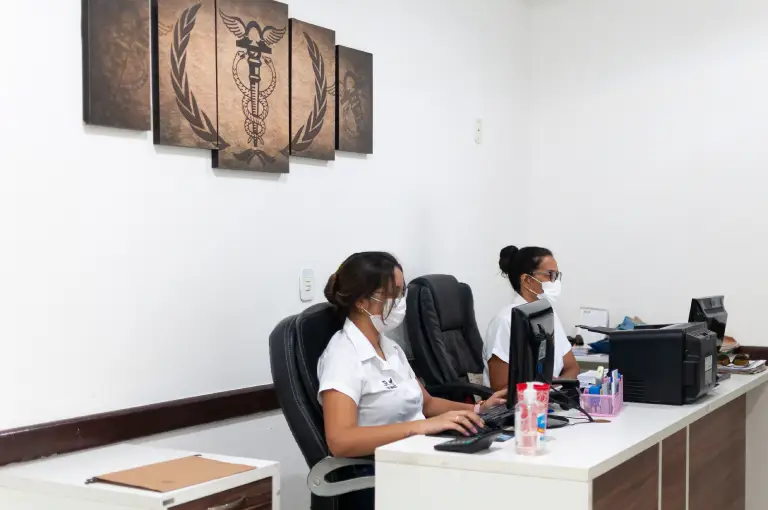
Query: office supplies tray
(606, 406)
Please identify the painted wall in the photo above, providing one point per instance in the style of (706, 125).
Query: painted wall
(649, 122)
(135, 274)
(626, 135)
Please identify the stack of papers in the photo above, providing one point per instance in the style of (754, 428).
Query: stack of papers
(753, 367)
(579, 350)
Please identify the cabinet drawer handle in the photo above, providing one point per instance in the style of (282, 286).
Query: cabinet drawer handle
(230, 506)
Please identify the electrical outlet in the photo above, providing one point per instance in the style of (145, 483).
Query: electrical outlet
(307, 285)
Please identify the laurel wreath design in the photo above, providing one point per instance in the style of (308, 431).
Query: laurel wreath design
(198, 120)
(201, 123)
(309, 131)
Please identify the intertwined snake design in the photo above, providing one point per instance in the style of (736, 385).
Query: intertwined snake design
(255, 126)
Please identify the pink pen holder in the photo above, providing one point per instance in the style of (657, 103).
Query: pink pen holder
(604, 406)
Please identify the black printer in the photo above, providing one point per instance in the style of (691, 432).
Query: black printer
(675, 364)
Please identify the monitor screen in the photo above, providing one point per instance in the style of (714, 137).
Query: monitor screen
(712, 311)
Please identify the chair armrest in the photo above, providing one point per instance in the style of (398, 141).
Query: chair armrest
(463, 388)
(320, 486)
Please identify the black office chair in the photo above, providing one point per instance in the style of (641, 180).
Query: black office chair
(443, 337)
(295, 346)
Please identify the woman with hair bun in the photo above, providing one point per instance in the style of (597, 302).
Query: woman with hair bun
(370, 395)
(534, 274)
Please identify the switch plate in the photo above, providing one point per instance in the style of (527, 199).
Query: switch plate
(479, 131)
(307, 285)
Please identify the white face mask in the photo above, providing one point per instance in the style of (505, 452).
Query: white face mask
(395, 317)
(550, 290)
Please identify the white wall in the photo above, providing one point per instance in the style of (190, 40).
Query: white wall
(134, 274)
(649, 154)
(627, 135)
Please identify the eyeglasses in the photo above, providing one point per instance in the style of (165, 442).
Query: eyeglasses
(390, 305)
(739, 360)
(552, 275)
(382, 296)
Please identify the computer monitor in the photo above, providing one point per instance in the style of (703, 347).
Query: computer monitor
(710, 310)
(531, 346)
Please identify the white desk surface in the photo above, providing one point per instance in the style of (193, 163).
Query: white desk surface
(580, 452)
(65, 476)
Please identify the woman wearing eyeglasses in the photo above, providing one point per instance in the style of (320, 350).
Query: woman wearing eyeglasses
(534, 274)
(370, 395)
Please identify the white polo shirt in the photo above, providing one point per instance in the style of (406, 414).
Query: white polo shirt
(385, 391)
(500, 329)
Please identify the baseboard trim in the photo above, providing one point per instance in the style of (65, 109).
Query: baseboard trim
(46, 439)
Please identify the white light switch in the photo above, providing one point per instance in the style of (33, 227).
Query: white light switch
(479, 131)
(307, 285)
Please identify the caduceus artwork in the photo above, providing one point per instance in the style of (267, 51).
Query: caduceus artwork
(354, 108)
(252, 53)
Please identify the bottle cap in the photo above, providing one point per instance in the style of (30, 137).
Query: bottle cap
(529, 395)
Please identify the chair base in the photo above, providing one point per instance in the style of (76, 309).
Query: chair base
(360, 500)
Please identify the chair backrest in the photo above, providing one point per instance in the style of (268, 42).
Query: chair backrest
(442, 330)
(295, 346)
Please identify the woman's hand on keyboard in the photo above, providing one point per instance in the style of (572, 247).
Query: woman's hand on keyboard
(464, 422)
(497, 399)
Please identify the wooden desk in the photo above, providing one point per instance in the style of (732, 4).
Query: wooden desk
(58, 483)
(711, 455)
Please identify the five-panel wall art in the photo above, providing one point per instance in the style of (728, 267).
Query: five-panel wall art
(237, 77)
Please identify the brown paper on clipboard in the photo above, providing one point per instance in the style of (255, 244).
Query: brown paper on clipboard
(173, 474)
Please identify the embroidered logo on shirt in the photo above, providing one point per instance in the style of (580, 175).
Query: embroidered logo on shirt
(389, 384)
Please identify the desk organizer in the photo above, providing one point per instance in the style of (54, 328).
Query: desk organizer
(604, 406)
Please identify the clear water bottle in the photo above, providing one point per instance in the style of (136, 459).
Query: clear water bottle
(529, 421)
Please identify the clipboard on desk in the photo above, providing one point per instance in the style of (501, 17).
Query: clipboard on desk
(172, 475)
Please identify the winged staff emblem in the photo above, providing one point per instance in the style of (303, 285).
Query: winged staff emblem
(255, 43)
(269, 35)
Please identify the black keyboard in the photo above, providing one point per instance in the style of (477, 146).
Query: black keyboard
(497, 417)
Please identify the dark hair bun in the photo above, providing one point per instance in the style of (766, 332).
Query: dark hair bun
(330, 290)
(506, 257)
